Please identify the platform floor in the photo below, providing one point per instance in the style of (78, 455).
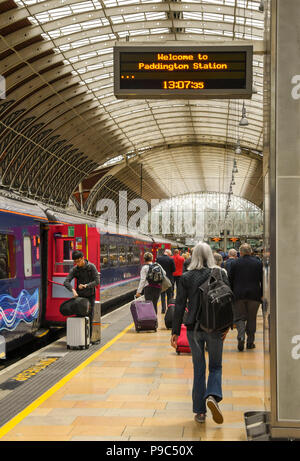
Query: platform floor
(137, 388)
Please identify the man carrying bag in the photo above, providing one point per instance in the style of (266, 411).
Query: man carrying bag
(87, 278)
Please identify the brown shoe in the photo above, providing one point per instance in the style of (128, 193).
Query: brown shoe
(215, 410)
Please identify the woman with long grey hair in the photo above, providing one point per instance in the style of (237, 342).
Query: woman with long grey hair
(204, 393)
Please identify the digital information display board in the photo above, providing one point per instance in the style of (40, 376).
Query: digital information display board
(183, 72)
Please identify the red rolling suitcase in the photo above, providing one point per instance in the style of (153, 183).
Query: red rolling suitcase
(144, 315)
(182, 342)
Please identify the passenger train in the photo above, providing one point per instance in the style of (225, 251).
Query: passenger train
(36, 245)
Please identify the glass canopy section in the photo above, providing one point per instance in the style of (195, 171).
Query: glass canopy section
(203, 216)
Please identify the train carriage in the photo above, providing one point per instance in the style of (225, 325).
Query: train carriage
(36, 245)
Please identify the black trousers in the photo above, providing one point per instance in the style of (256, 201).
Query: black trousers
(245, 312)
(169, 293)
(91, 313)
(176, 281)
(152, 294)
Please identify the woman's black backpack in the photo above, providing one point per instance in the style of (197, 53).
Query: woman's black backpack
(215, 304)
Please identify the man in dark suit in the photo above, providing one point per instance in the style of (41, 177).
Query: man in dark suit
(167, 263)
(245, 278)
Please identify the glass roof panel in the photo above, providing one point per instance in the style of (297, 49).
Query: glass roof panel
(84, 33)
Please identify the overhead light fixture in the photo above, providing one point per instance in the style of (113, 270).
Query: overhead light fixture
(238, 149)
(244, 120)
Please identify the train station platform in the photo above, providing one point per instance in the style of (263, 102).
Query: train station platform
(134, 387)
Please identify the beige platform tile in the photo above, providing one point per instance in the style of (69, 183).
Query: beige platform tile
(99, 438)
(132, 398)
(147, 405)
(107, 421)
(138, 380)
(88, 388)
(115, 363)
(145, 370)
(102, 381)
(52, 403)
(158, 433)
(243, 401)
(130, 412)
(37, 438)
(175, 388)
(62, 420)
(182, 413)
(248, 393)
(248, 388)
(91, 431)
(174, 398)
(105, 372)
(41, 411)
(176, 376)
(40, 431)
(99, 404)
(216, 433)
(114, 355)
(169, 422)
(170, 393)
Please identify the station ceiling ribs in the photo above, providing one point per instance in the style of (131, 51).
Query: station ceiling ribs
(63, 133)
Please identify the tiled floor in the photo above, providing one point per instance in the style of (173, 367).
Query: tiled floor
(139, 389)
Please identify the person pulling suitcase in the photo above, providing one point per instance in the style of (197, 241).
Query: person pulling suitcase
(87, 278)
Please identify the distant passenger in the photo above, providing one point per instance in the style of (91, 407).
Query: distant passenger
(151, 290)
(179, 261)
(232, 256)
(245, 277)
(167, 263)
(219, 260)
(87, 278)
(187, 262)
(204, 393)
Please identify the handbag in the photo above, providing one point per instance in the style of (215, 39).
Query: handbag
(166, 284)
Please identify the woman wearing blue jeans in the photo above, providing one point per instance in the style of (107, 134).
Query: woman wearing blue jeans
(205, 394)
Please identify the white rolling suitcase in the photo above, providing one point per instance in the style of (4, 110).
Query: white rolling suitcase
(78, 332)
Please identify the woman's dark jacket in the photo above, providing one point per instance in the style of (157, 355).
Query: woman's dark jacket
(188, 295)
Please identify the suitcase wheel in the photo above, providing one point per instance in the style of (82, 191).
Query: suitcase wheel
(178, 352)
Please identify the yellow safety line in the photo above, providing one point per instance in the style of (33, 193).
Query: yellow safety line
(20, 416)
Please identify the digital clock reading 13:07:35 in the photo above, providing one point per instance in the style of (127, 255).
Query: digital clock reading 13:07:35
(182, 84)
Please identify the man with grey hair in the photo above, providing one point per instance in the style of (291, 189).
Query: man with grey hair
(245, 278)
(232, 255)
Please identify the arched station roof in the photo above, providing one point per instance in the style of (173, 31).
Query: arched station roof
(60, 124)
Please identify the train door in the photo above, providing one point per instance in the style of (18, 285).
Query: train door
(63, 239)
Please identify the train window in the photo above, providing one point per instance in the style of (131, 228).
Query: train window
(130, 255)
(27, 256)
(113, 255)
(7, 257)
(122, 255)
(136, 255)
(35, 244)
(63, 256)
(103, 256)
